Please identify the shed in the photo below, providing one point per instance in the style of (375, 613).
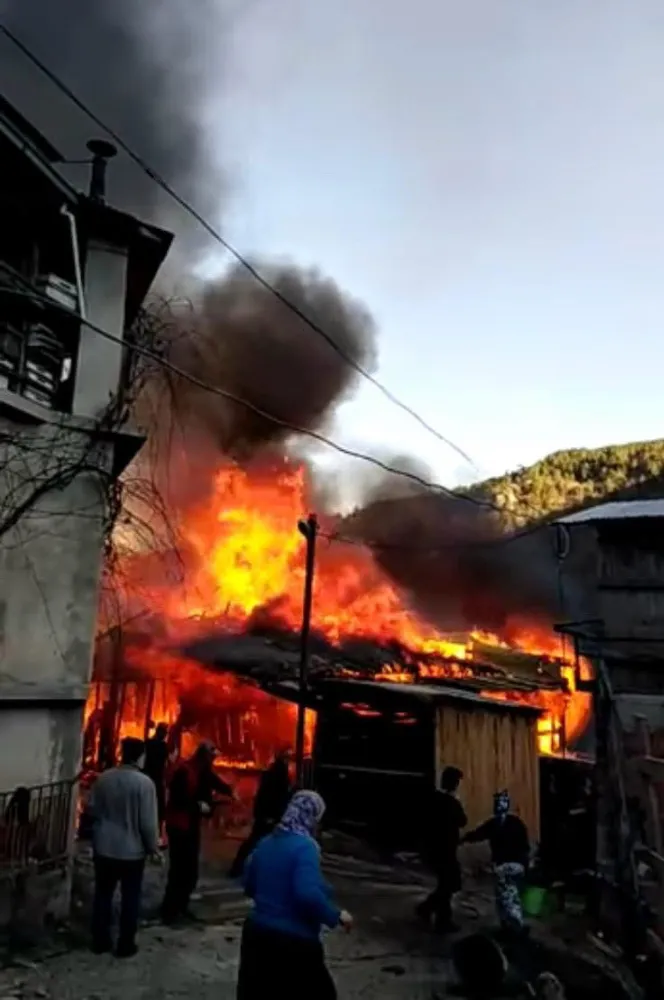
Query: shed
(379, 750)
(626, 643)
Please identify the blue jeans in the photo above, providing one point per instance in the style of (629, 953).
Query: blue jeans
(508, 878)
(108, 873)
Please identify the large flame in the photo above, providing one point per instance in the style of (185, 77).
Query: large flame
(243, 560)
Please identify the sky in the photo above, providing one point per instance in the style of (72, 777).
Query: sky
(487, 176)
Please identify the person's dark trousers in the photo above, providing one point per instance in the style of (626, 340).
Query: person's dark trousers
(438, 905)
(161, 802)
(183, 853)
(109, 872)
(260, 829)
(276, 964)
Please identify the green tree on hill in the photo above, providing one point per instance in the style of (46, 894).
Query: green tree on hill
(576, 478)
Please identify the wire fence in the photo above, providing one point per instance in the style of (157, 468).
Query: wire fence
(34, 825)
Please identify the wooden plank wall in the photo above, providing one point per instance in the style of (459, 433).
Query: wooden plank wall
(630, 592)
(649, 773)
(495, 750)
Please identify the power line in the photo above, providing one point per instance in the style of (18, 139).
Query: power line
(228, 246)
(337, 537)
(239, 401)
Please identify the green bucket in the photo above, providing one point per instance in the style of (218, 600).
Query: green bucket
(535, 901)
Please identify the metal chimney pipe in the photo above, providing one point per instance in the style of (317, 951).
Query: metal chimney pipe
(102, 152)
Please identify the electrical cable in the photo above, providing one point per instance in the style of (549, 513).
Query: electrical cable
(239, 401)
(448, 547)
(304, 431)
(320, 438)
(227, 245)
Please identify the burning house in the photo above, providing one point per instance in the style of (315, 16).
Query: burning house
(200, 614)
(224, 643)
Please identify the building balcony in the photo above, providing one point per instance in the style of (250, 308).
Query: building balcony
(39, 337)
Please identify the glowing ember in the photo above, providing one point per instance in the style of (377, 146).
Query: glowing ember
(243, 562)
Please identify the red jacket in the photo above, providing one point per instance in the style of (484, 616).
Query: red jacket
(190, 785)
(182, 808)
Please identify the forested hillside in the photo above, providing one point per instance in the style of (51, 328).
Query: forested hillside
(577, 478)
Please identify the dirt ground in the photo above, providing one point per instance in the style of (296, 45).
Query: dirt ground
(388, 954)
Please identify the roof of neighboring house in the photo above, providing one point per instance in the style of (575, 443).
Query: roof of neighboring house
(355, 691)
(616, 511)
(11, 118)
(29, 141)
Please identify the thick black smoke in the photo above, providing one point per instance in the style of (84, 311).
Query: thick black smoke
(242, 339)
(462, 569)
(149, 68)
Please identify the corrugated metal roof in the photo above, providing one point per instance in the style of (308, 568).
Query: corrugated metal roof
(616, 511)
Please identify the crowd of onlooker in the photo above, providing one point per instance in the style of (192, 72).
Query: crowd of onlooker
(133, 805)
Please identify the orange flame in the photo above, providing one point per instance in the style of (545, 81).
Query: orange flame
(243, 558)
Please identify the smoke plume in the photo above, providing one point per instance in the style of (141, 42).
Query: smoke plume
(455, 559)
(242, 339)
(150, 69)
(147, 68)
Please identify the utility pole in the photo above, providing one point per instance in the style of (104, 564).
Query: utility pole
(309, 529)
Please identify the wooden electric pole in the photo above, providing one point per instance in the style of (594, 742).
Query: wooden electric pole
(309, 529)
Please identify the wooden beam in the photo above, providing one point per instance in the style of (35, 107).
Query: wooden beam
(656, 943)
(657, 862)
(650, 767)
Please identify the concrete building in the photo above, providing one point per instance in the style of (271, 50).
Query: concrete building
(63, 441)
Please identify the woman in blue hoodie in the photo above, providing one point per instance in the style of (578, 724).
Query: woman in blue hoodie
(281, 950)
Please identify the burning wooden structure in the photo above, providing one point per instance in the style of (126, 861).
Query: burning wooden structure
(242, 557)
(221, 687)
(379, 751)
(129, 696)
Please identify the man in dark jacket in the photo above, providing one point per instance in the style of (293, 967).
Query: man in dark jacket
(191, 797)
(446, 820)
(507, 836)
(272, 797)
(156, 759)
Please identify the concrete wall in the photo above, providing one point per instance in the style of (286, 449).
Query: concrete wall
(54, 475)
(50, 560)
(50, 563)
(39, 744)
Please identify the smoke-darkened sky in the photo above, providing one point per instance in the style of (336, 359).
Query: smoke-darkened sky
(484, 175)
(150, 69)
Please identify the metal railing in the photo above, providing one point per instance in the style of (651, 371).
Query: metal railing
(34, 825)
